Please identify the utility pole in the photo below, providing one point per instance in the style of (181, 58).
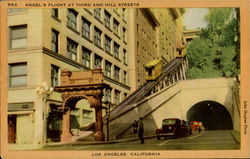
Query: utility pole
(107, 108)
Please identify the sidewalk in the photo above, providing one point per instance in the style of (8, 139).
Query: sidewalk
(75, 143)
(13, 147)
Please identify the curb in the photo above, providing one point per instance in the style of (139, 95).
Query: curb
(80, 143)
(234, 137)
(96, 143)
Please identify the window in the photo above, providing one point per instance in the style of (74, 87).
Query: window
(72, 49)
(117, 73)
(54, 12)
(116, 27)
(108, 69)
(125, 57)
(117, 97)
(107, 44)
(18, 75)
(124, 36)
(18, 36)
(125, 77)
(107, 94)
(87, 114)
(54, 75)
(97, 37)
(86, 28)
(116, 50)
(98, 61)
(97, 13)
(72, 19)
(107, 19)
(86, 57)
(54, 41)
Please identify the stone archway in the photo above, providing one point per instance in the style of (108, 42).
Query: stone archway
(81, 85)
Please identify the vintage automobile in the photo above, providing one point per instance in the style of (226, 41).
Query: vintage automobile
(196, 126)
(172, 128)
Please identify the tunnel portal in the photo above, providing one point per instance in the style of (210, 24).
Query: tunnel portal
(213, 115)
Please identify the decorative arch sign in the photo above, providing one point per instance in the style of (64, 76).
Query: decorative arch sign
(81, 85)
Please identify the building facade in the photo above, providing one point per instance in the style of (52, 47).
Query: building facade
(43, 42)
(155, 34)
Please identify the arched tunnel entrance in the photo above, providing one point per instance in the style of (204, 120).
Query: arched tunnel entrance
(213, 115)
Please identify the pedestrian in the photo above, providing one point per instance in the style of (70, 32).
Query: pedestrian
(141, 130)
(135, 126)
(199, 129)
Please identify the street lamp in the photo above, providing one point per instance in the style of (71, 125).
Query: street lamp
(44, 92)
(107, 103)
(107, 108)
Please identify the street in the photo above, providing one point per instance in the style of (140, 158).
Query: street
(206, 140)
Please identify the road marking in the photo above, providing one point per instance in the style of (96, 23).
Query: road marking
(217, 137)
(192, 137)
(164, 142)
(211, 139)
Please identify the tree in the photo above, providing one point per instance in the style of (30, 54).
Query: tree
(214, 53)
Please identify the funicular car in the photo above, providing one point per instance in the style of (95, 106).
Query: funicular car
(153, 69)
(171, 128)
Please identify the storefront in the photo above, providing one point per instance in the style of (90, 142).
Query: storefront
(21, 123)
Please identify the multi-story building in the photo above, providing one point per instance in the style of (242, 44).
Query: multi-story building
(155, 34)
(43, 42)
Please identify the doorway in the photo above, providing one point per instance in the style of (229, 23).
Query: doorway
(11, 128)
(54, 126)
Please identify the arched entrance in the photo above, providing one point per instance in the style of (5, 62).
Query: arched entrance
(213, 115)
(76, 86)
(81, 116)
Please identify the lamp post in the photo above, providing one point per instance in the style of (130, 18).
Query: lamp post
(108, 114)
(107, 108)
(44, 92)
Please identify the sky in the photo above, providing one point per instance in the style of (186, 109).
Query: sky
(194, 18)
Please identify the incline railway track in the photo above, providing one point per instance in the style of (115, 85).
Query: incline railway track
(142, 92)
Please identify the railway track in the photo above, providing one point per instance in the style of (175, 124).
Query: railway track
(141, 92)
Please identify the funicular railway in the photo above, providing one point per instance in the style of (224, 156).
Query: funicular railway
(172, 72)
(168, 96)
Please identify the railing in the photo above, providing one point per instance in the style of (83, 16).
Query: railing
(150, 87)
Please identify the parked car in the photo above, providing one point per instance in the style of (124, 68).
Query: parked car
(171, 128)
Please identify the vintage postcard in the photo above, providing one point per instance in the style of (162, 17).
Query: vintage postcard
(124, 79)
